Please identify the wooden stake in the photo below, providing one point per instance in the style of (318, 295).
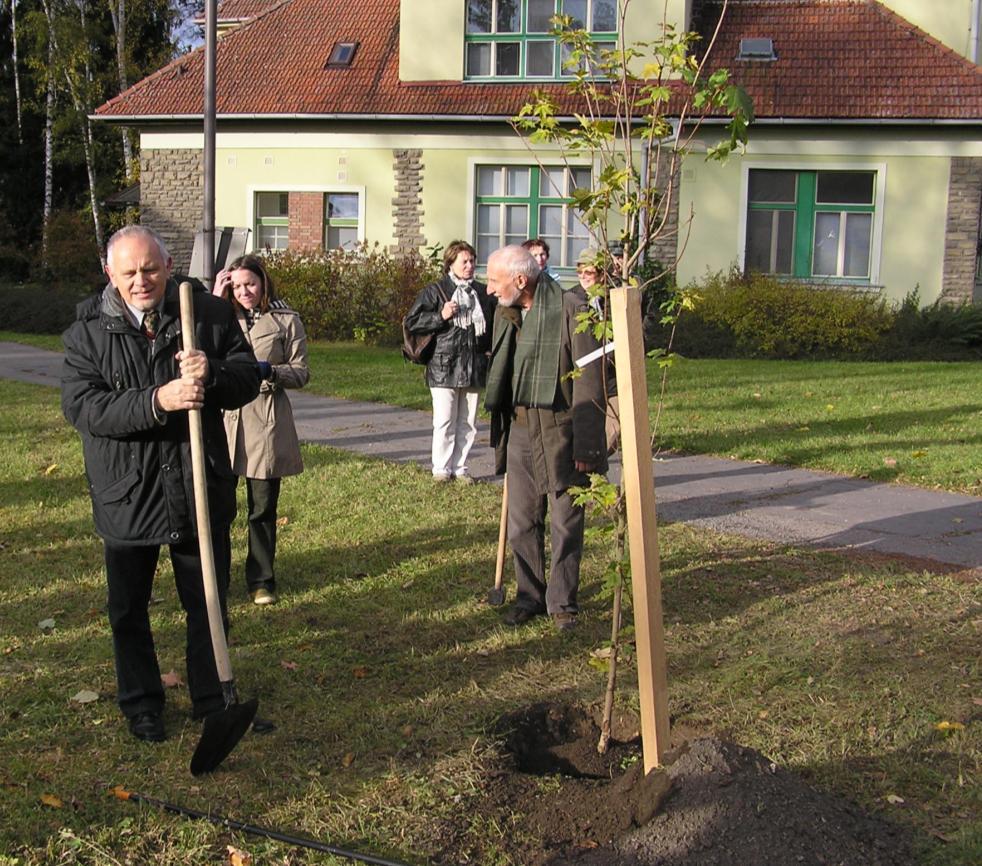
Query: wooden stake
(642, 527)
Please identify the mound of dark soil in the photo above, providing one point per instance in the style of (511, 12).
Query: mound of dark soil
(716, 804)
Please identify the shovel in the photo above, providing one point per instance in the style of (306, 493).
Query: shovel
(496, 596)
(222, 730)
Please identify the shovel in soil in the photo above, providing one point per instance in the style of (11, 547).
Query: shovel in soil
(222, 730)
(496, 596)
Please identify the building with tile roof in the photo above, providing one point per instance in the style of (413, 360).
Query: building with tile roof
(380, 121)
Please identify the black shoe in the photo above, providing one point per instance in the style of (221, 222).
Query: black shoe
(148, 726)
(519, 614)
(263, 726)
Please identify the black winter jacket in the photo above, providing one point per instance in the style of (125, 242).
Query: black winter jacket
(460, 359)
(138, 469)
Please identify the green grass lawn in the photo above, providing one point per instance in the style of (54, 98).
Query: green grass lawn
(385, 670)
(915, 423)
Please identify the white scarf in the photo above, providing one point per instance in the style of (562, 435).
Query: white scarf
(469, 310)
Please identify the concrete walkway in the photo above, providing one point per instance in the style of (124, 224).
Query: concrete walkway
(774, 503)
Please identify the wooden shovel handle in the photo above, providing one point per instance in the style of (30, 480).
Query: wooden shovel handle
(499, 565)
(207, 553)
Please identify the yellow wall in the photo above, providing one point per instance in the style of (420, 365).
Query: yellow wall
(914, 174)
(431, 33)
(946, 20)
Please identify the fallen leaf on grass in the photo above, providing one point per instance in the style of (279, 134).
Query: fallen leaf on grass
(804, 429)
(946, 726)
(919, 454)
(51, 800)
(894, 800)
(601, 652)
(171, 680)
(51, 469)
(360, 672)
(288, 666)
(85, 697)
(238, 857)
(977, 702)
(407, 731)
(890, 461)
(348, 759)
(46, 624)
(763, 714)
(283, 521)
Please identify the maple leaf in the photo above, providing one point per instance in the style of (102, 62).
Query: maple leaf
(171, 680)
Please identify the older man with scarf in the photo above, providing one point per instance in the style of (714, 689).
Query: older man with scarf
(547, 428)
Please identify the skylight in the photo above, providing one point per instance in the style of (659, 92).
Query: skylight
(757, 48)
(342, 54)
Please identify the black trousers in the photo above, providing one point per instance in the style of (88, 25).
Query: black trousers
(526, 534)
(129, 573)
(262, 495)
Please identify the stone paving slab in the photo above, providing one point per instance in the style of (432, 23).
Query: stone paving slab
(775, 503)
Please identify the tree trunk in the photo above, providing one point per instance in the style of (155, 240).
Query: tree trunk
(13, 39)
(118, 15)
(49, 111)
(615, 628)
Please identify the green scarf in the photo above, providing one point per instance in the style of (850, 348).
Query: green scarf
(525, 370)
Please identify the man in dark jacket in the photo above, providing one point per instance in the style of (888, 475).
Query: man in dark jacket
(547, 428)
(126, 388)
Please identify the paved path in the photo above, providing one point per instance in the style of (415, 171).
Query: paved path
(757, 500)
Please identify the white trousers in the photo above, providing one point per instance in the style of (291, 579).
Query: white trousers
(454, 428)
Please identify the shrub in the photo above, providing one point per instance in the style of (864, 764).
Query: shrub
(73, 256)
(940, 331)
(36, 309)
(360, 294)
(774, 318)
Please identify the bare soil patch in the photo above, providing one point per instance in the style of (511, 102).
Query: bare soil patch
(715, 803)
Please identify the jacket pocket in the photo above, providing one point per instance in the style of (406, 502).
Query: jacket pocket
(118, 490)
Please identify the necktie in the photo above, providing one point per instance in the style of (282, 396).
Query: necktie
(151, 321)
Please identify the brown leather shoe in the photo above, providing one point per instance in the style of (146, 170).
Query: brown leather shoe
(565, 620)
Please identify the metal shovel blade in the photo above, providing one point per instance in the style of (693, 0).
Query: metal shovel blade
(496, 596)
(220, 734)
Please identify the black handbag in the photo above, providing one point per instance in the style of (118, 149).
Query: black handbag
(418, 348)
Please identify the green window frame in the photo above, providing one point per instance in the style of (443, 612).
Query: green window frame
(272, 223)
(340, 220)
(517, 202)
(511, 39)
(811, 224)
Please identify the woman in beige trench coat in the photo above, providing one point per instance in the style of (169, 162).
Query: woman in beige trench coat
(262, 437)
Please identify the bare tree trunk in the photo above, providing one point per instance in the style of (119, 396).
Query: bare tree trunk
(81, 102)
(49, 112)
(13, 37)
(615, 629)
(118, 14)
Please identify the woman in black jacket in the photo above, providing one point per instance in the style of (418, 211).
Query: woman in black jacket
(459, 311)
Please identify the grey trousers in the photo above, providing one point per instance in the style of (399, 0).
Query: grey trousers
(526, 534)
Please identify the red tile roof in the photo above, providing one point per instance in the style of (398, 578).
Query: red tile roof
(241, 10)
(837, 59)
(844, 59)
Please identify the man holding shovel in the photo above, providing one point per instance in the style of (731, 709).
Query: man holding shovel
(126, 388)
(547, 428)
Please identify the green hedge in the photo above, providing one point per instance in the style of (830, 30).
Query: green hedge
(360, 294)
(37, 309)
(760, 316)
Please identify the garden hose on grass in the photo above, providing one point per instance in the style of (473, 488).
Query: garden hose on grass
(276, 835)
